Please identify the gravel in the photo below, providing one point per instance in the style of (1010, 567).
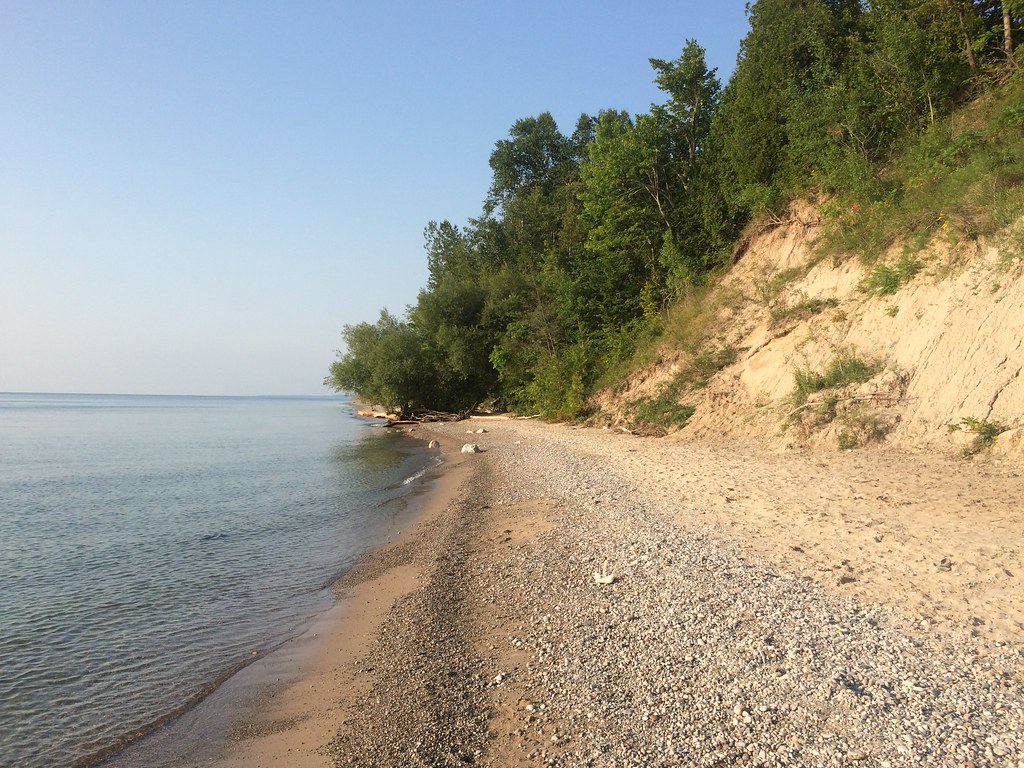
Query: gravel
(511, 653)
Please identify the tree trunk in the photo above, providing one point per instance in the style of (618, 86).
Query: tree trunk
(1007, 32)
(968, 45)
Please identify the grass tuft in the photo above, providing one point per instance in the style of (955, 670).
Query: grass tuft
(885, 281)
(845, 368)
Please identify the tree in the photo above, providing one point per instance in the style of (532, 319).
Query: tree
(625, 207)
(385, 364)
(693, 92)
(533, 155)
(448, 252)
(793, 50)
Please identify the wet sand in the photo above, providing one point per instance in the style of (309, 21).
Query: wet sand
(316, 678)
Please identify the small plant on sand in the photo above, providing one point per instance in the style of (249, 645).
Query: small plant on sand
(985, 433)
(864, 426)
(847, 440)
(802, 309)
(845, 368)
(769, 288)
(659, 414)
(885, 281)
(705, 365)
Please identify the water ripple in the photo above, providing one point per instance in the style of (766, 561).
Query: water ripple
(148, 546)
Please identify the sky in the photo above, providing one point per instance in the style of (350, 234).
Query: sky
(195, 197)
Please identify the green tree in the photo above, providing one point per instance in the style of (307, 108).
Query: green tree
(534, 155)
(385, 364)
(693, 92)
(794, 49)
(448, 318)
(626, 208)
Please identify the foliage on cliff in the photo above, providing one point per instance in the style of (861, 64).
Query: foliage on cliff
(585, 241)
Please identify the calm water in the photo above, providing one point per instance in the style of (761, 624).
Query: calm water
(150, 545)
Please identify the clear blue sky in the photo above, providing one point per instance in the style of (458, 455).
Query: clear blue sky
(195, 197)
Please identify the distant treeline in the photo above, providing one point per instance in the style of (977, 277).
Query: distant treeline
(586, 238)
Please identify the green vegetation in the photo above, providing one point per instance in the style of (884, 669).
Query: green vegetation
(862, 426)
(844, 369)
(885, 281)
(985, 434)
(858, 421)
(597, 249)
(802, 309)
(658, 414)
(664, 411)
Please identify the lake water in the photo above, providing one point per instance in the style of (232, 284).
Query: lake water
(149, 546)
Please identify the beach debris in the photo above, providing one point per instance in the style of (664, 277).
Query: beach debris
(604, 576)
(433, 444)
(471, 448)
(945, 564)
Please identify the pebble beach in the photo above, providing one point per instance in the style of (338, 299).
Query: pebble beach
(563, 614)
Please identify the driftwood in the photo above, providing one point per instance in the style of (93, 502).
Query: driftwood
(426, 415)
(422, 416)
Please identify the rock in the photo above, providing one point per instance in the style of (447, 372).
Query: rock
(604, 576)
(481, 431)
(433, 444)
(945, 564)
(471, 448)
(1009, 444)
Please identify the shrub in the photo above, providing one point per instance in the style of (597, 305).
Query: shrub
(802, 309)
(985, 434)
(658, 414)
(845, 368)
(885, 281)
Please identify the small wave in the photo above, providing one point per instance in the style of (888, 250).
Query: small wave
(436, 462)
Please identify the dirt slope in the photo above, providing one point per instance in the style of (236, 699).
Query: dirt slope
(948, 345)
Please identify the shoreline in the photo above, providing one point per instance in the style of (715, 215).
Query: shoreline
(292, 714)
(232, 711)
(764, 609)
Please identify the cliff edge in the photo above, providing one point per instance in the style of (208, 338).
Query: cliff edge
(922, 349)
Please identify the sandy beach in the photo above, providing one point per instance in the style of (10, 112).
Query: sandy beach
(758, 608)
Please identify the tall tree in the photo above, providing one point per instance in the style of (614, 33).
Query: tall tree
(534, 155)
(794, 47)
(693, 92)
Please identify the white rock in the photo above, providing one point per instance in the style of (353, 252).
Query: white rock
(471, 448)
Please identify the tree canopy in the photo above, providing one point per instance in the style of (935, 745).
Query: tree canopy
(585, 239)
